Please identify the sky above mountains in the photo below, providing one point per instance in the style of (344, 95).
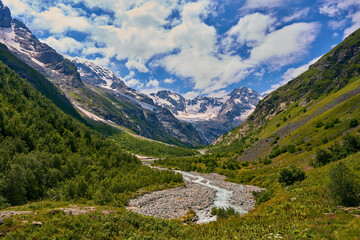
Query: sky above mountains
(193, 47)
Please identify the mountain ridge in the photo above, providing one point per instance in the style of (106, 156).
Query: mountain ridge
(213, 116)
(118, 106)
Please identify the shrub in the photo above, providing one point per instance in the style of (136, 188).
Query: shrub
(353, 123)
(222, 213)
(291, 175)
(319, 124)
(3, 203)
(343, 187)
(263, 196)
(322, 158)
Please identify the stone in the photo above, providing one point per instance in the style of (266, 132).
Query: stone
(5, 16)
(37, 223)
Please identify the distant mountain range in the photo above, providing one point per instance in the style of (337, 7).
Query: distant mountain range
(212, 116)
(101, 97)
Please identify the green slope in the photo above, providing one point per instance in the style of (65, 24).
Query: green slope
(290, 108)
(38, 81)
(45, 153)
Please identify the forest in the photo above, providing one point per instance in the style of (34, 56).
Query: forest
(45, 153)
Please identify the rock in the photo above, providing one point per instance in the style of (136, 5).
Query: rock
(7, 214)
(5, 16)
(37, 223)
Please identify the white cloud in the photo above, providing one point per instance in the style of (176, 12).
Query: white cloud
(355, 19)
(285, 45)
(133, 83)
(335, 8)
(129, 76)
(251, 28)
(152, 83)
(17, 6)
(61, 19)
(152, 86)
(131, 65)
(298, 14)
(335, 24)
(191, 95)
(264, 3)
(189, 49)
(169, 80)
(291, 74)
(64, 44)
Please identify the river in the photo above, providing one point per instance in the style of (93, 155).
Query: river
(201, 193)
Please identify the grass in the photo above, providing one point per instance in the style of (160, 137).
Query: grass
(301, 211)
(151, 148)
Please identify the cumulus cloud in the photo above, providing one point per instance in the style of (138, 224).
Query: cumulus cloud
(64, 44)
(251, 28)
(285, 45)
(133, 32)
(61, 19)
(17, 7)
(336, 8)
(152, 86)
(133, 83)
(169, 80)
(355, 19)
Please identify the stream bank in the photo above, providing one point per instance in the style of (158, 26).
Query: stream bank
(200, 193)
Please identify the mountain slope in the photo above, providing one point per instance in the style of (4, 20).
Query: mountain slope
(287, 114)
(212, 116)
(119, 106)
(38, 81)
(46, 153)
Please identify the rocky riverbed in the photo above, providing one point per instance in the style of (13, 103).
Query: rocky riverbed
(200, 193)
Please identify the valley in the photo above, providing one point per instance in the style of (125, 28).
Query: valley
(201, 193)
(87, 154)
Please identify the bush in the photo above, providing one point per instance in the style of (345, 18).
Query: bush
(353, 123)
(343, 187)
(263, 196)
(322, 158)
(291, 175)
(222, 213)
(350, 145)
(3, 203)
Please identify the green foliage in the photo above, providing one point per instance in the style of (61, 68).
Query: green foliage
(205, 163)
(45, 153)
(291, 175)
(263, 196)
(344, 186)
(275, 141)
(3, 203)
(276, 151)
(151, 148)
(353, 123)
(331, 123)
(222, 213)
(350, 145)
(231, 164)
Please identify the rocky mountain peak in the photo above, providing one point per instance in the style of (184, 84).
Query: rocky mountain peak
(5, 16)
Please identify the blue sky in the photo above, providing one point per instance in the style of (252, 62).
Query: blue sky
(197, 47)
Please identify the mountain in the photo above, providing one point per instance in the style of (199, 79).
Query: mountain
(307, 112)
(212, 116)
(98, 95)
(156, 120)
